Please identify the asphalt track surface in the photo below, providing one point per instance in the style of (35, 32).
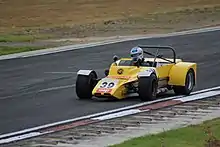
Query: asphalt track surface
(38, 90)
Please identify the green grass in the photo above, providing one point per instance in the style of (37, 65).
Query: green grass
(192, 136)
(22, 38)
(5, 50)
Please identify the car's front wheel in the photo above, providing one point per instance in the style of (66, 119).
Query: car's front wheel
(147, 87)
(85, 85)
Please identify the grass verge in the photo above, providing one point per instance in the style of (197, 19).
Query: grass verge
(206, 134)
(5, 50)
(22, 38)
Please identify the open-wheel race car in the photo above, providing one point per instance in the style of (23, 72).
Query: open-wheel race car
(145, 77)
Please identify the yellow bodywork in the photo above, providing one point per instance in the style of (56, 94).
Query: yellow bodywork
(120, 76)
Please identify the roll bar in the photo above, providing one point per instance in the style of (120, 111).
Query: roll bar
(160, 47)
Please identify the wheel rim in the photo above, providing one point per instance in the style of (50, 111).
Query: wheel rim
(190, 81)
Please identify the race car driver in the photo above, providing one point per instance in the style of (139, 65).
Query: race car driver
(137, 56)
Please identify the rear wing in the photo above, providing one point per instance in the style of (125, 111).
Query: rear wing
(158, 48)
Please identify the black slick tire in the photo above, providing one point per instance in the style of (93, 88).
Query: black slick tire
(189, 84)
(147, 87)
(85, 85)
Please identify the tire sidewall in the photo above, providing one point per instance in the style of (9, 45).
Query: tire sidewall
(148, 88)
(85, 85)
(185, 90)
(189, 82)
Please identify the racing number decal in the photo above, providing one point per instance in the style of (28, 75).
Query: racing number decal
(107, 85)
(103, 85)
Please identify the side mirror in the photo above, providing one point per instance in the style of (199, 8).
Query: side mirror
(115, 58)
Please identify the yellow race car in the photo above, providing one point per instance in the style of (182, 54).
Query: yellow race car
(155, 75)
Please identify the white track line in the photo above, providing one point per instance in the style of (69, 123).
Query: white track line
(20, 137)
(117, 114)
(41, 90)
(198, 96)
(61, 72)
(87, 45)
(56, 88)
(99, 114)
(205, 90)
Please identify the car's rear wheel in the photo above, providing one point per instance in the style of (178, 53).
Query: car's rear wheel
(85, 85)
(189, 84)
(147, 88)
